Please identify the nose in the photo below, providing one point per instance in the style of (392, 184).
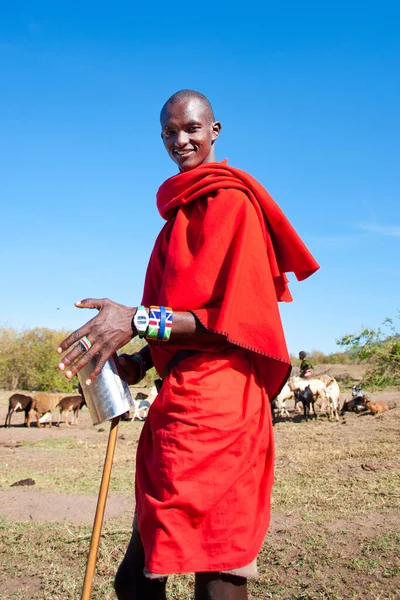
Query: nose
(181, 139)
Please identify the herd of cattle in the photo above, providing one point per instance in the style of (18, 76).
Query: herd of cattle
(42, 405)
(322, 392)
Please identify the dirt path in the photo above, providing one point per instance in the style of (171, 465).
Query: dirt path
(26, 504)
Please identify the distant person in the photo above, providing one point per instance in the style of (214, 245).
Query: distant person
(204, 467)
(305, 365)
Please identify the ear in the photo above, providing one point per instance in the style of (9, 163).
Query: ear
(216, 128)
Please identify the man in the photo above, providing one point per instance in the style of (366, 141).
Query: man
(205, 457)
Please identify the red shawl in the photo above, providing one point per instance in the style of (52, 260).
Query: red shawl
(223, 255)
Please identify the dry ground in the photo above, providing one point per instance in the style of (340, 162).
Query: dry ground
(335, 530)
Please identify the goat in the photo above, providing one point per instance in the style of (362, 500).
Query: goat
(354, 405)
(141, 409)
(376, 407)
(306, 397)
(278, 405)
(142, 404)
(278, 409)
(70, 404)
(357, 391)
(18, 403)
(357, 403)
(317, 387)
(41, 404)
(47, 418)
(333, 397)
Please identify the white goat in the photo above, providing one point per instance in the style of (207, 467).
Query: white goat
(142, 405)
(317, 387)
(333, 397)
(280, 401)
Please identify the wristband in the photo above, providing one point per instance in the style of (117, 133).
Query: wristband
(160, 323)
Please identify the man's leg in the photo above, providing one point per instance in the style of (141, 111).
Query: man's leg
(130, 583)
(217, 586)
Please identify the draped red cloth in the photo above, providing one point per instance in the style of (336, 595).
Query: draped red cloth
(204, 468)
(224, 254)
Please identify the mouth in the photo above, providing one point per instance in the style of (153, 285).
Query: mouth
(182, 154)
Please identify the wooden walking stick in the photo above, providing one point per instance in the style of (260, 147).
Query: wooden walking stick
(99, 516)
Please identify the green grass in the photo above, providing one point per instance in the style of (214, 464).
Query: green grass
(303, 564)
(57, 444)
(306, 568)
(71, 466)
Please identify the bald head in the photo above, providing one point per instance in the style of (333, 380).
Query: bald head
(185, 95)
(188, 129)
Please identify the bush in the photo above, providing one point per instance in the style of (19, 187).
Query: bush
(28, 360)
(381, 349)
(319, 358)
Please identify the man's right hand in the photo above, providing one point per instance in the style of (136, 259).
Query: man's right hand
(106, 333)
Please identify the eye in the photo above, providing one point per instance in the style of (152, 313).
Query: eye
(193, 128)
(168, 133)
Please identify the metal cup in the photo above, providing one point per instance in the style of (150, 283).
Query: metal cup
(108, 396)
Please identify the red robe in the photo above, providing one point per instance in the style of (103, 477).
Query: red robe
(204, 468)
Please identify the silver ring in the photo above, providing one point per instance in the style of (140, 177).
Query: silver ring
(85, 344)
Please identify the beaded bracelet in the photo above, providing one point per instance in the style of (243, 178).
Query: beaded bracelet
(160, 323)
(142, 366)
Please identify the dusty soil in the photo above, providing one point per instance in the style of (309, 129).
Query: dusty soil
(26, 502)
(335, 520)
(20, 504)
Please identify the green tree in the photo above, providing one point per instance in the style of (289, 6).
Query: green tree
(28, 360)
(41, 369)
(380, 348)
(11, 359)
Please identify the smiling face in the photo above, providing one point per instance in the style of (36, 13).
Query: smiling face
(189, 132)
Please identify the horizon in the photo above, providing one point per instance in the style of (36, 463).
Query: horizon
(308, 100)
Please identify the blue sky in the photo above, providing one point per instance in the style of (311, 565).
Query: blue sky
(308, 95)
